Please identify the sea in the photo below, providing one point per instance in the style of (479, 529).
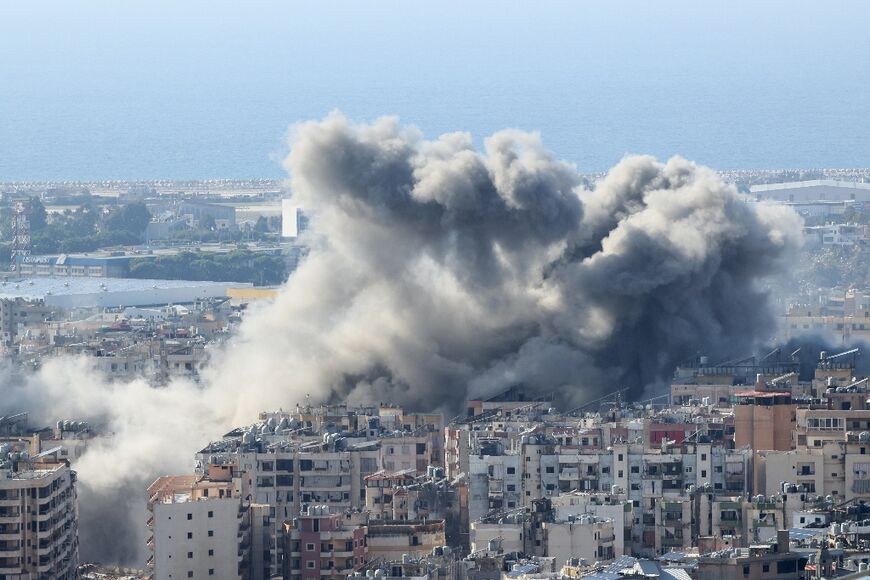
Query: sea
(198, 90)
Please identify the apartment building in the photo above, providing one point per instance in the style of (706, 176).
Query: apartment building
(38, 518)
(320, 544)
(199, 529)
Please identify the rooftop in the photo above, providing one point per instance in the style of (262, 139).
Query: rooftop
(811, 183)
(42, 288)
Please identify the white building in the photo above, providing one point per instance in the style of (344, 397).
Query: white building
(200, 529)
(38, 519)
(814, 190)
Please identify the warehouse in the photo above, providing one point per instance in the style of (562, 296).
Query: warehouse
(69, 293)
(812, 191)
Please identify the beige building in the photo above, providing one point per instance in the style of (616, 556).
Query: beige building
(391, 540)
(199, 529)
(587, 537)
(754, 563)
(764, 420)
(38, 519)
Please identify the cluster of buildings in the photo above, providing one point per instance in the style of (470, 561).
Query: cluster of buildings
(743, 470)
(123, 343)
(38, 507)
(841, 316)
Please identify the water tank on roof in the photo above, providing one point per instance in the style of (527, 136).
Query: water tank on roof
(864, 436)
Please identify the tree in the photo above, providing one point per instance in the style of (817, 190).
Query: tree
(38, 215)
(208, 223)
(132, 219)
(262, 225)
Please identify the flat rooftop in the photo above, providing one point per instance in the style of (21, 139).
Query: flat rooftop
(38, 287)
(811, 183)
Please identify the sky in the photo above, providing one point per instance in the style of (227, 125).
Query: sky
(195, 89)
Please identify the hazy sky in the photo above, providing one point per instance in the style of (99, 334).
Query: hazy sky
(92, 89)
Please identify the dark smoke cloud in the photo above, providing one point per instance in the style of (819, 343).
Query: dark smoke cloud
(500, 269)
(440, 272)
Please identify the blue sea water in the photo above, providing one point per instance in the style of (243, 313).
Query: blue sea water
(135, 90)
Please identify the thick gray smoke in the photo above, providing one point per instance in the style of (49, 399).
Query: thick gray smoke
(440, 273)
(448, 272)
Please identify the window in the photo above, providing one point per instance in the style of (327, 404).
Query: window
(309, 564)
(619, 474)
(190, 516)
(746, 570)
(211, 514)
(551, 469)
(190, 555)
(635, 469)
(190, 574)
(211, 533)
(211, 571)
(703, 457)
(703, 473)
(765, 568)
(211, 552)
(309, 547)
(511, 470)
(189, 535)
(619, 457)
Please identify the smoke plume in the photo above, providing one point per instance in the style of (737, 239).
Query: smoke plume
(436, 273)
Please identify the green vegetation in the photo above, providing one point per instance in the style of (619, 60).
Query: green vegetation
(237, 266)
(85, 229)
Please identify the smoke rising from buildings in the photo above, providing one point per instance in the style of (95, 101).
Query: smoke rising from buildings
(439, 272)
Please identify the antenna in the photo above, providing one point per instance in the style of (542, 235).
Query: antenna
(20, 235)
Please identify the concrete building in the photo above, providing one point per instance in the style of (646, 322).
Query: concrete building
(17, 315)
(587, 537)
(758, 562)
(196, 214)
(199, 529)
(391, 540)
(38, 518)
(764, 420)
(113, 292)
(320, 544)
(814, 190)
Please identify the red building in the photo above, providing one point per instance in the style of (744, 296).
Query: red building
(324, 545)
